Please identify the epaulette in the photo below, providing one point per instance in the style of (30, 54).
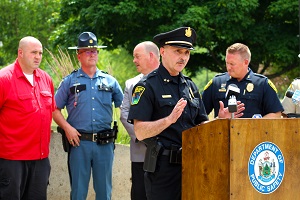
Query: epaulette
(186, 77)
(152, 74)
(221, 74)
(260, 75)
(103, 72)
(75, 70)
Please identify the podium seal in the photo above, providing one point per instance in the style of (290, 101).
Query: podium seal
(266, 167)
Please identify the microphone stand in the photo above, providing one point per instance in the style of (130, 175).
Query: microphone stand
(232, 105)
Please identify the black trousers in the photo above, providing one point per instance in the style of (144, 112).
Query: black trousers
(165, 182)
(24, 180)
(138, 187)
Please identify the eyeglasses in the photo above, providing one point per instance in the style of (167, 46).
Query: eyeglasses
(88, 53)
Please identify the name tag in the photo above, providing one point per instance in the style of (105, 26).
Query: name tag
(166, 96)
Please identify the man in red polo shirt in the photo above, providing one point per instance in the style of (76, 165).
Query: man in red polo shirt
(26, 106)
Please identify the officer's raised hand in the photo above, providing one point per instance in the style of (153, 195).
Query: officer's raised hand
(177, 110)
(224, 112)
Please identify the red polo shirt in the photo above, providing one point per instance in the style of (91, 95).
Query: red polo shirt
(25, 114)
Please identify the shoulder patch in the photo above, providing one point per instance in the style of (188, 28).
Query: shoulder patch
(136, 95)
(272, 85)
(208, 84)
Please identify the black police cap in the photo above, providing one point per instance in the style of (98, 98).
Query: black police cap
(87, 40)
(182, 37)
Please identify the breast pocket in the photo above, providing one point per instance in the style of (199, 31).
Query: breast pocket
(106, 97)
(194, 107)
(27, 103)
(220, 96)
(252, 103)
(166, 106)
(46, 97)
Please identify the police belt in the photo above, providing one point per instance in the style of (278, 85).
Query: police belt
(166, 152)
(174, 155)
(102, 137)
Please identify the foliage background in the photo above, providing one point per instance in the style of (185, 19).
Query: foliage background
(269, 28)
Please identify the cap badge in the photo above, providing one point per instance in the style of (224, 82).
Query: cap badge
(188, 32)
(91, 41)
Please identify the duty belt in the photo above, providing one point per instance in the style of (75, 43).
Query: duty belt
(102, 137)
(174, 155)
(166, 152)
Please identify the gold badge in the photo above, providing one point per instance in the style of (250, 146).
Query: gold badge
(250, 87)
(188, 32)
(91, 41)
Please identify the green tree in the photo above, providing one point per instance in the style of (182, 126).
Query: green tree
(269, 28)
(20, 18)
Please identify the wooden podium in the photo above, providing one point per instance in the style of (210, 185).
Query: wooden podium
(216, 156)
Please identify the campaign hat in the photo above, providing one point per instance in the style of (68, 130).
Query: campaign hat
(183, 37)
(87, 40)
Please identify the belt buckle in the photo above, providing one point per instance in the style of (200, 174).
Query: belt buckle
(95, 137)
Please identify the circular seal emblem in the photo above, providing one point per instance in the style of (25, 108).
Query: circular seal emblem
(266, 167)
(250, 87)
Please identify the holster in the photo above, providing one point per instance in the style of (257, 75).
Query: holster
(175, 154)
(115, 129)
(64, 139)
(152, 152)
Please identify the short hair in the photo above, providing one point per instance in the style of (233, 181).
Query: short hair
(151, 47)
(241, 49)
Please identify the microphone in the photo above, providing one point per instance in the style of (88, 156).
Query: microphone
(231, 94)
(295, 96)
(232, 90)
(289, 94)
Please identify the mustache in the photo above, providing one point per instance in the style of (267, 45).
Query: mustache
(181, 61)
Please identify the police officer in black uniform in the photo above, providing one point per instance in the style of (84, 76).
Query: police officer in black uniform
(164, 104)
(257, 92)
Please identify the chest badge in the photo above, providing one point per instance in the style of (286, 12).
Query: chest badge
(250, 87)
(223, 87)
